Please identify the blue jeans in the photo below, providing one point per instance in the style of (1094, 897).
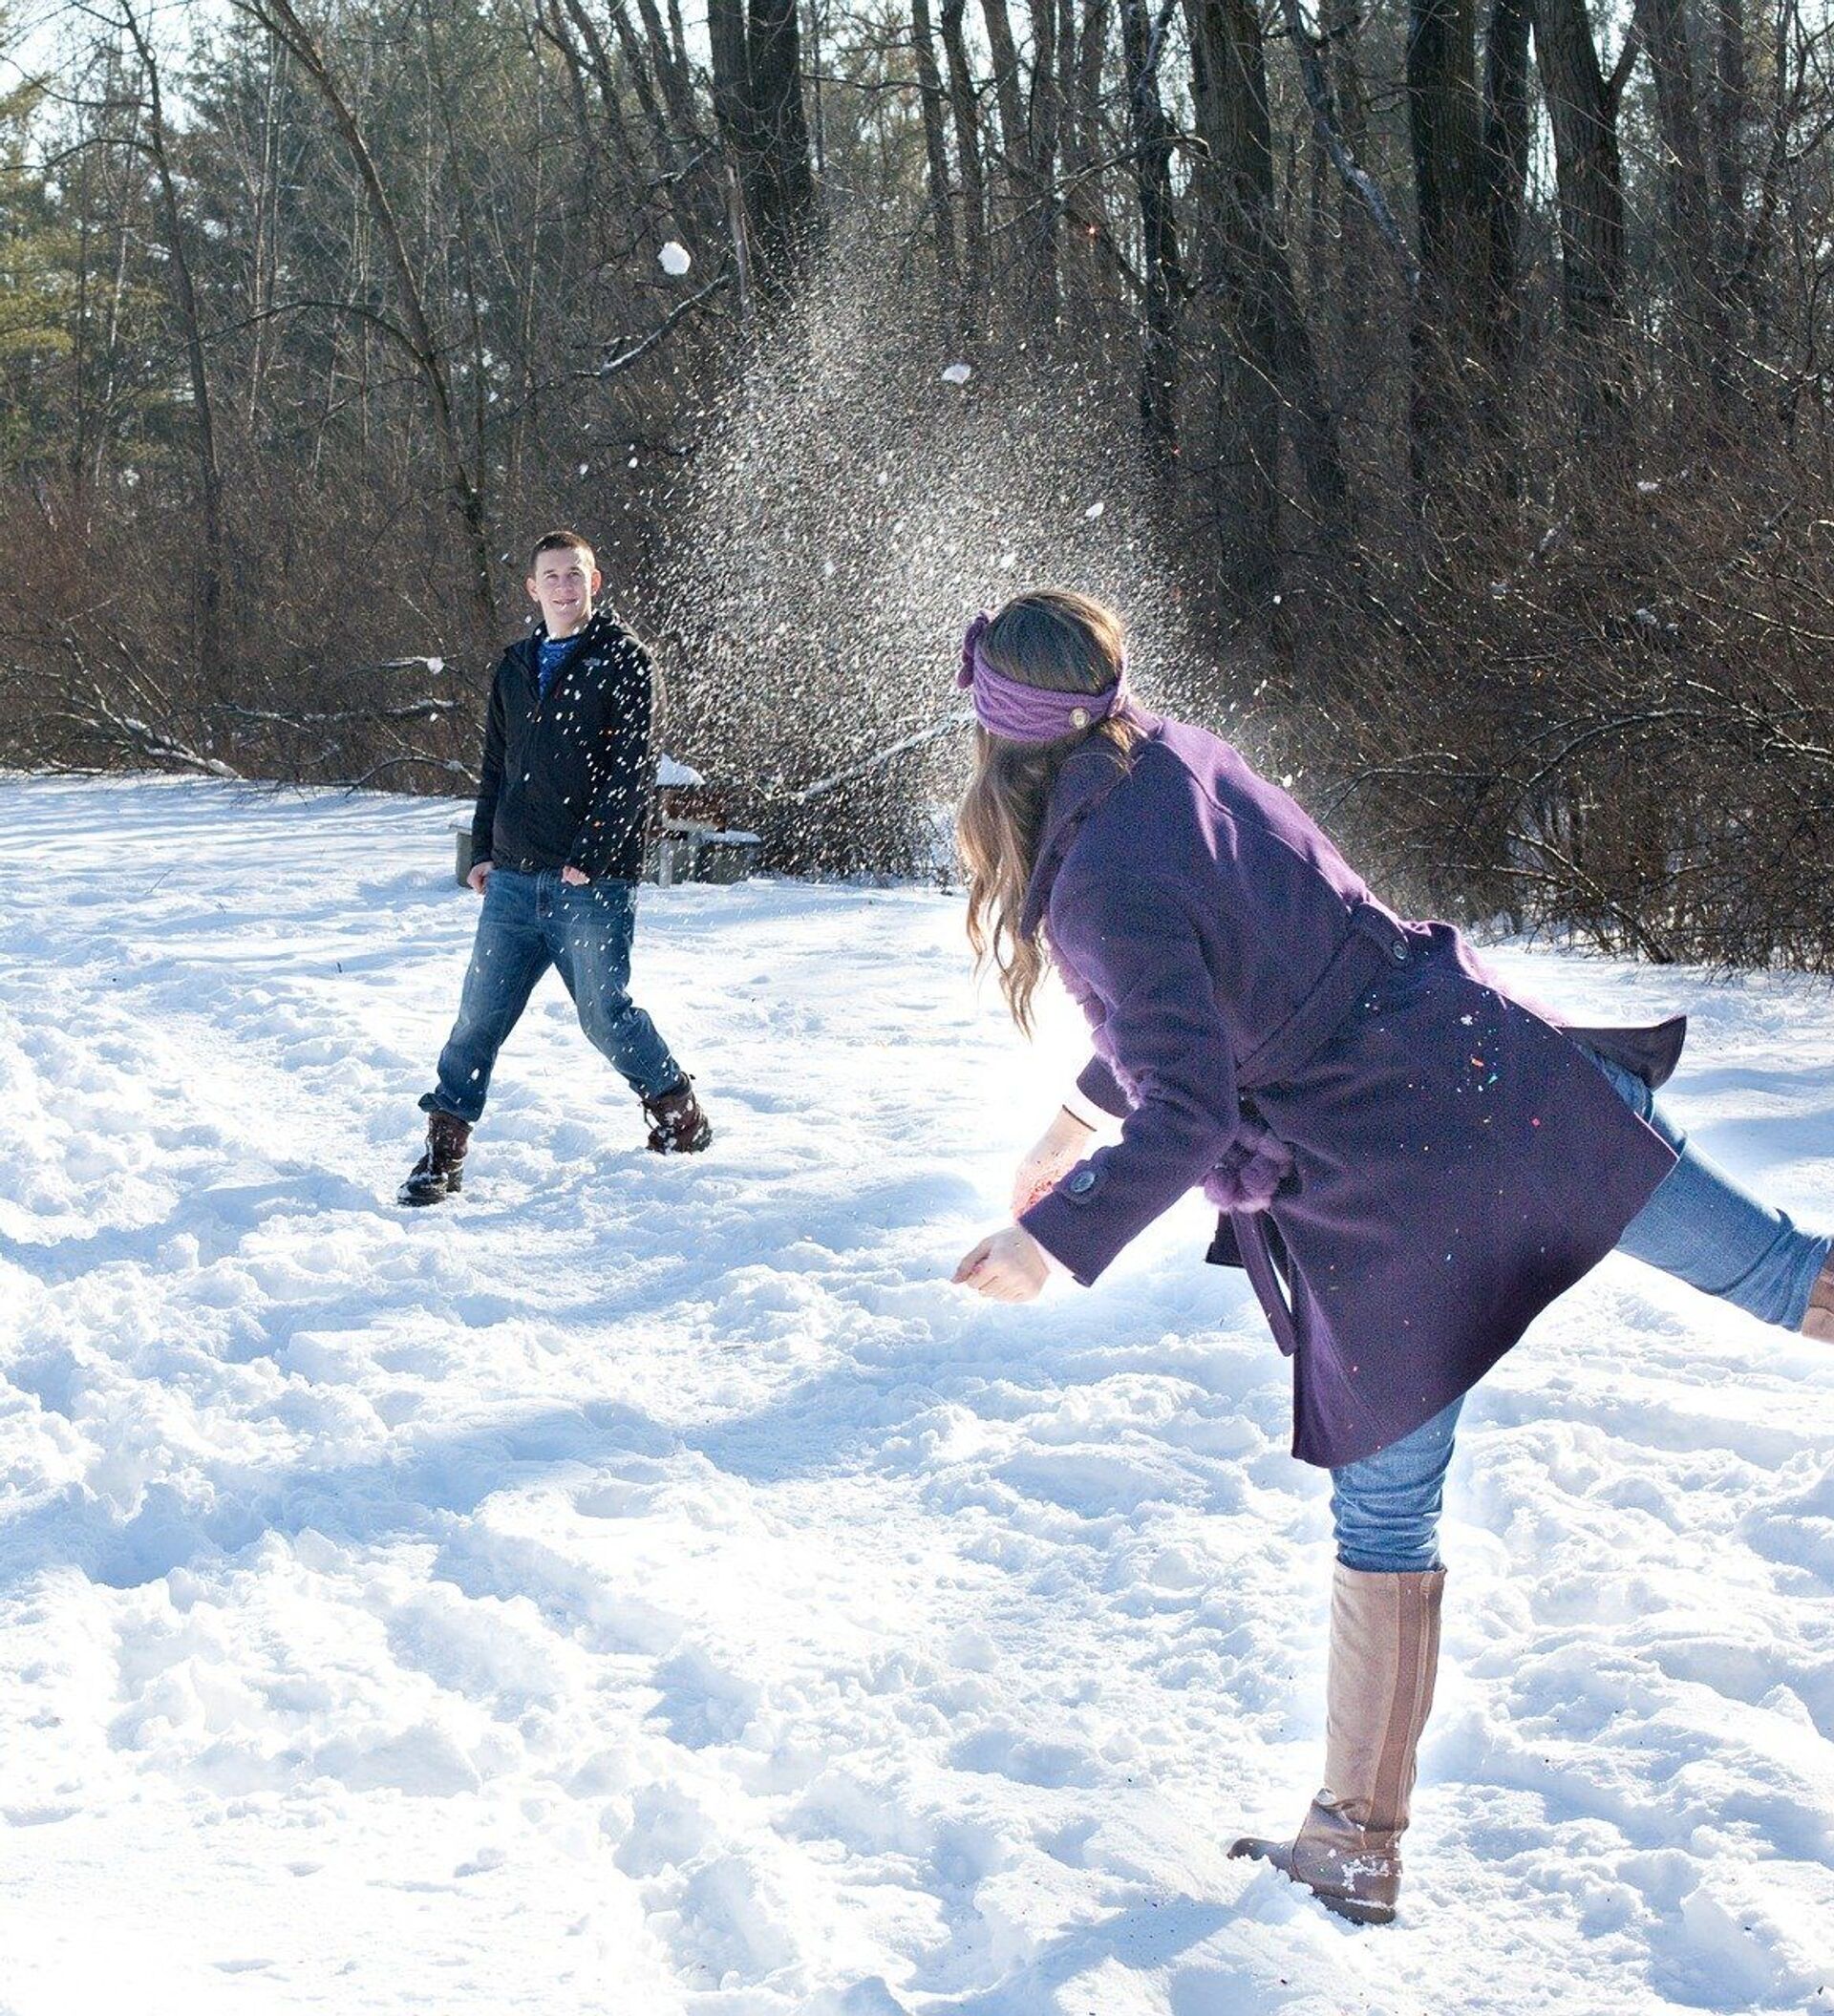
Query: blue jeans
(530, 922)
(1699, 1226)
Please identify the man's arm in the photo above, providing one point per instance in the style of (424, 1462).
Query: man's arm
(621, 801)
(490, 776)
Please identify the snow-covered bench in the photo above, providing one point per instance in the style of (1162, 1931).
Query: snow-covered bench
(692, 841)
(689, 838)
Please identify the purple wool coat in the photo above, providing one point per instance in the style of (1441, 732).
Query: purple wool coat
(1458, 1160)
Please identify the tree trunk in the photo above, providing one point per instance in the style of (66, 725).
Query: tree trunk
(1044, 127)
(1589, 176)
(184, 300)
(1266, 376)
(265, 262)
(1690, 204)
(781, 196)
(672, 72)
(1149, 134)
(930, 92)
(1731, 105)
(1006, 82)
(635, 68)
(757, 112)
(1081, 46)
(1359, 235)
(732, 92)
(589, 54)
(1508, 122)
(964, 106)
(1454, 382)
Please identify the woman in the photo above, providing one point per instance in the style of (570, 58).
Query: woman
(1411, 1163)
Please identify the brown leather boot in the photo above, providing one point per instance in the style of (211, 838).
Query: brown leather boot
(1384, 1654)
(440, 1172)
(1818, 1319)
(679, 1126)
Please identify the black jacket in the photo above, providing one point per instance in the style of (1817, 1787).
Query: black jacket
(567, 779)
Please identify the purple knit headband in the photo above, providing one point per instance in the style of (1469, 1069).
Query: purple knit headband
(1008, 707)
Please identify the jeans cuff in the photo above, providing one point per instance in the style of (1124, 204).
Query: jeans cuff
(432, 1102)
(1805, 1285)
(1388, 1565)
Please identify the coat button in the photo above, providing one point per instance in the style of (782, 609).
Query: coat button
(1399, 949)
(1083, 1182)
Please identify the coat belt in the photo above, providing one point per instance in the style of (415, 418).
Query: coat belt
(1377, 942)
(1254, 1244)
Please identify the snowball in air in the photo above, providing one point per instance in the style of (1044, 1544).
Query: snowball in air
(957, 373)
(676, 258)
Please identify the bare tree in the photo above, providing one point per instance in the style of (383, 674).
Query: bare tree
(184, 300)
(1265, 372)
(954, 316)
(1689, 197)
(964, 109)
(1583, 104)
(413, 335)
(1151, 139)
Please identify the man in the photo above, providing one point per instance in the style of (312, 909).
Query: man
(557, 844)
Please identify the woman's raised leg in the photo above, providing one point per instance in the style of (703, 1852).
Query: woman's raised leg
(1707, 1230)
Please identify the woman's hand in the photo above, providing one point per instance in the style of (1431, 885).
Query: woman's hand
(1010, 1266)
(1057, 1151)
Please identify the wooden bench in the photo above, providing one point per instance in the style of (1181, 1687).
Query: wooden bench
(689, 837)
(694, 851)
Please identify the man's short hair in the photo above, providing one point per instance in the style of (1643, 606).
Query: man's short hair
(560, 541)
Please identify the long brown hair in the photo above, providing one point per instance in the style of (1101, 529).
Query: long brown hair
(1067, 644)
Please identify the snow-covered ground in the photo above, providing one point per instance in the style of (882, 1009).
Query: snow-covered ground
(648, 1586)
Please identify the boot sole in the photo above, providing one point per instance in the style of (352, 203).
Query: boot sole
(406, 1197)
(1357, 1913)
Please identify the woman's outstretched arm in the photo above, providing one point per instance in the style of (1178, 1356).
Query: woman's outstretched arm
(1134, 943)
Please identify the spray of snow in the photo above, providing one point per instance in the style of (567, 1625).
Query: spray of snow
(848, 516)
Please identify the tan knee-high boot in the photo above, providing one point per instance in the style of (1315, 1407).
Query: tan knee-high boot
(1384, 1654)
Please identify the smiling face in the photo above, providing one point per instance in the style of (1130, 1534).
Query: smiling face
(565, 581)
